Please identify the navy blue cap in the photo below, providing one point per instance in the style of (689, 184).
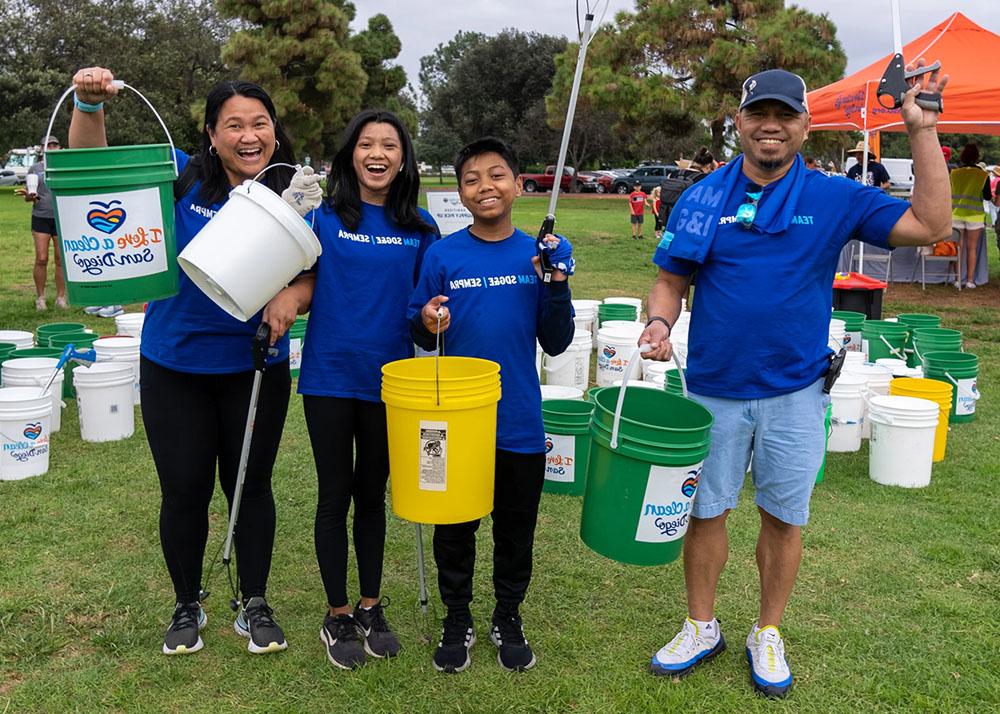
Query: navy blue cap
(776, 84)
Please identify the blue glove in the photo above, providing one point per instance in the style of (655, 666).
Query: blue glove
(559, 254)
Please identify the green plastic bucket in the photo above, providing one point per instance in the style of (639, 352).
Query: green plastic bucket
(828, 430)
(44, 332)
(638, 496)
(6, 348)
(933, 339)
(961, 371)
(591, 392)
(35, 352)
(296, 341)
(567, 445)
(880, 338)
(672, 382)
(115, 214)
(852, 328)
(80, 341)
(915, 321)
(607, 312)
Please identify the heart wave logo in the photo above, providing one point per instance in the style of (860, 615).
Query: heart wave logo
(33, 431)
(690, 484)
(609, 351)
(107, 218)
(548, 444)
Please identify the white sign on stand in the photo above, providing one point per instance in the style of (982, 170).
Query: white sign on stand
(448, 211)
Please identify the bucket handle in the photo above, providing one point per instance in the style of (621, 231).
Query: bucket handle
(974, 394)
(120, 84)
(312, 223)
(626, 377)
(892, 349)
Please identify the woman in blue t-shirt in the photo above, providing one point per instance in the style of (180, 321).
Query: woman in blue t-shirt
(374, 238)
(196, 368)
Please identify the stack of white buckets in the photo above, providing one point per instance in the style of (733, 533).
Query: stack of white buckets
(901, 429)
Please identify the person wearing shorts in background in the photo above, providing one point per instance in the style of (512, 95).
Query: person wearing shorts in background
(44, 232)
(758, 347)
(970, 186)
(655, 205)
(637, 206)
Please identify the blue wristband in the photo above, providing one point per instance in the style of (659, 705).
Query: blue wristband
(86, 108)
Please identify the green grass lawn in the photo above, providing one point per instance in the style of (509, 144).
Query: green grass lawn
(895, 608)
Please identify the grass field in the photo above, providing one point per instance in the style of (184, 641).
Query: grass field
(895, 608)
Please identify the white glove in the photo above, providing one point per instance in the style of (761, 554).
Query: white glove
(304, 192)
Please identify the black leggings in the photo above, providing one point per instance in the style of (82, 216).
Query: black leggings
(338, 426)
(518, 480)
(193, 422)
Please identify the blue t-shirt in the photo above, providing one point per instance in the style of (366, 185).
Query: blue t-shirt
(188, 332)
(498, 308)
(357, 321)
(761, 313)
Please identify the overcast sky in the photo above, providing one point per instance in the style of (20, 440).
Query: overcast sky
(863, 26)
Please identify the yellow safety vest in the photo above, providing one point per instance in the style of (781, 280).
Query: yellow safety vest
(967, 194)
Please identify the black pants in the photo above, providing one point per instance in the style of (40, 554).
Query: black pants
(518, 482)
(338, 426)
(194, 422)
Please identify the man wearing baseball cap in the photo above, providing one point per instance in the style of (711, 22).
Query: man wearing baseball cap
(764, 235)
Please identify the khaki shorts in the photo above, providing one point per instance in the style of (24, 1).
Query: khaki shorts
(960, 224)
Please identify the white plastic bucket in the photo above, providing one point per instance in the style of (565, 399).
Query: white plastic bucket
(877, 379)
(902, 443)
(558, 391)
(104, 397)
(585, 312)
(838, 331)
(634, 326)
(854, 357)
(35, 372)
(641, 383)
(120, 349)
(130, 324)
(539, 352)
(572, 367)
(898, 367)
(652, 369)
(24, 432)
(22, 339)
(614, 349)
(617, 300)
(848, 412)
(249, 251)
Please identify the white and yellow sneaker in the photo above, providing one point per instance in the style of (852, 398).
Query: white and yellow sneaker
(689, 648)
(766, 655)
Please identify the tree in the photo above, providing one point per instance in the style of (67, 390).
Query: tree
(467, 97)
(676, 66)
(167, 50)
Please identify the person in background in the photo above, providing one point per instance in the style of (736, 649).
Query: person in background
(196, 366)
(970, 186)
(44, 232)
(946, 153)
(654, 205)
(637, 208)
(995, 201)
(811, 163)
(877, 174)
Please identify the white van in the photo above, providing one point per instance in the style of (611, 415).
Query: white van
(900, 174)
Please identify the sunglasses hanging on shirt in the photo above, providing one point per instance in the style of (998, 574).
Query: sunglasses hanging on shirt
(747, 212)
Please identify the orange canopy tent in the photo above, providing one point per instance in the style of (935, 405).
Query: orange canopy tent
(968, 55)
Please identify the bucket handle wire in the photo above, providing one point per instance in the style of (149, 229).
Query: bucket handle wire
(312, 223)
(974, 394)
(120, 84)
(892, 349)
(627, 376)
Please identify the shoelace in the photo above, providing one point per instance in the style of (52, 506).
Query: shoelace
(455, 631)
(261, 615)
(377, 613)
(185, 617)
(510, 629)
(683, 639)
(343, 628)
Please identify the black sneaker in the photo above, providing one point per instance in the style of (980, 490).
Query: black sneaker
(457, 638)
(379, 640)
(255, 622)
(343, 646)
(507, 633)
(182, 637)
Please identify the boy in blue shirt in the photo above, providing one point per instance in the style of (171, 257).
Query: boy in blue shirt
(489, 276)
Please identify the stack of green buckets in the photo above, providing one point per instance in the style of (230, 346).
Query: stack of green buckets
(607, 312)
(567, 445)
(916, 321)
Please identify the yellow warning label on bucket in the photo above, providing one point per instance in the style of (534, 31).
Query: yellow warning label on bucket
(666, 508)
(433, 455)
(112, 236)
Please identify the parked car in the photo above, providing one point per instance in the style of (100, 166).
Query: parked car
(20, 160)
(545, 181)
(648, 177)
(9, 178)
(594, 182)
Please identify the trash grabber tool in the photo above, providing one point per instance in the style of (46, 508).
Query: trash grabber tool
(893, 83)
(69, 353)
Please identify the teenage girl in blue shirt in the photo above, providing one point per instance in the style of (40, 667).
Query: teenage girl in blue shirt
(196, 370)
(373, 237)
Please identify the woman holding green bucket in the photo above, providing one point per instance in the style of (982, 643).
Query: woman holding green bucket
(197, 369)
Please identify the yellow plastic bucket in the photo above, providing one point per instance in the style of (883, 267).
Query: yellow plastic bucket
(935, 391)
(441, 415)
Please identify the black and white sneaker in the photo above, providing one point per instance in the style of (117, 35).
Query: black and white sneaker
(379, 640)
(182, 637)
(256, 623)
(457, 638)
(343, 645)
(507, 633)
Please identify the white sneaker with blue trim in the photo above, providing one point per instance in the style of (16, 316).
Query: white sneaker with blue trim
(689, 648)
(768, 668)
